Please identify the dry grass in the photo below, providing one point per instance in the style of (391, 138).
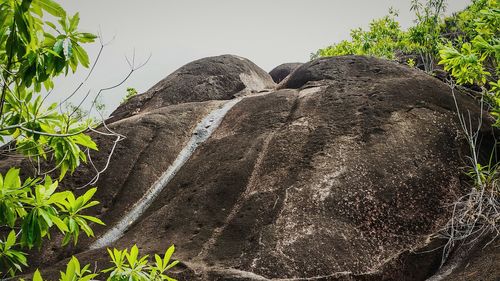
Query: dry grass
(475, 215)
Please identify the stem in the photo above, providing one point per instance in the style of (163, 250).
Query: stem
(7, 69)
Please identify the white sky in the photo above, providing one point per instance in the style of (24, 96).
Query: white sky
(175, 32)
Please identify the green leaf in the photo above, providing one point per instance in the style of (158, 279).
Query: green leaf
(132, 256)
(83, 225)
(93, 219)
(71, 267)
(168, 254)
(174, 263)
(12, 179)
(58, 198)
(22, 25)
(64, 169)
(53, 26)
(46, 217)
(84, 37)
(73, 22)
(37, 276)
(58, 46)
(159, 262)
(60, 224)
(51, 7)
(85, 140)
(81, 55)
(11, 240)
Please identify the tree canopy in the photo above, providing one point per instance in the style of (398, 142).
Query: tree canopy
(33, 52)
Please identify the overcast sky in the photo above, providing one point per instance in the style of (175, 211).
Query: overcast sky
(268, 32)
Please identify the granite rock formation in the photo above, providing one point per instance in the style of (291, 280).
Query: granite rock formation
(345, 171)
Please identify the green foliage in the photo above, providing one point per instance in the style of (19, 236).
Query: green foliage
(467, 44)
(382, 39)
(11, 193)
(385, 39)
(10, 258)
(411, 63)
(130, 266)
(73, 272)
(473, 58)
(33, 52)
(71, 208)
(39, 207)
(424, 37)
(31, 56)
(127, 266)
(130, 93)
(466, 65)
(39, 201)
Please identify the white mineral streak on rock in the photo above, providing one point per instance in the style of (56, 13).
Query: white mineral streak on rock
(201, 133)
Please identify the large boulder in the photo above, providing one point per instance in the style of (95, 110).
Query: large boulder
(283, 70)
(345, 173)
(213, 78)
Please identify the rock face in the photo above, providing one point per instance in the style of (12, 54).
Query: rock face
(481, 265)
(344, 173)
(214, 78)
(283, 70)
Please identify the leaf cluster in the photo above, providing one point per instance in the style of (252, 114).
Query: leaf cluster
(36, 206)
(131, 92)
(386, 39)
(382, 39)
(34, 51)
(127, 266)
(472, 58)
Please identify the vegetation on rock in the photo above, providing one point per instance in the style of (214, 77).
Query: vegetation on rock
(30, 57)
(130, 93)
(33, 51)
(467, 46)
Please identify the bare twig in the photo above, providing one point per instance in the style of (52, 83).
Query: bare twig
(476, 214)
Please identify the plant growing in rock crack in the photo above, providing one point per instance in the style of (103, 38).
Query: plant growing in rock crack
(472, 59)
(131, 92)
(467, 46)
(477, 214)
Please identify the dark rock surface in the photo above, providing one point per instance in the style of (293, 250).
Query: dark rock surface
(214, 78)
(481, 264)
(283, 70)
(345, 173)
